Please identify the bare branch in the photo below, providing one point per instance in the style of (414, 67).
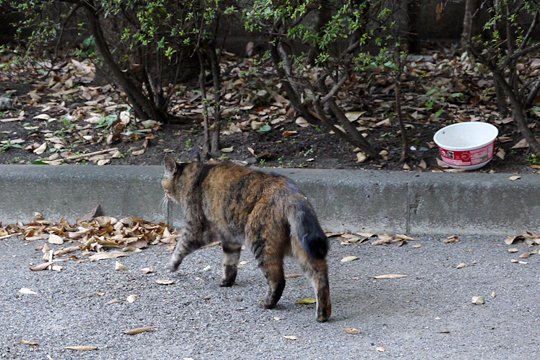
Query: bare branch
(529, 33)
(344, 75)
(521, 53)
(532, 94)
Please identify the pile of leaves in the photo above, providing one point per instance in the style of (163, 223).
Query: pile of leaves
(64, 111)
(99, 238)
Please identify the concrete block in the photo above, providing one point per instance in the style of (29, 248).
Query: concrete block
(71, 191)
(474, 203)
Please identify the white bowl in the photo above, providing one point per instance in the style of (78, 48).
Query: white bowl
(467, 145)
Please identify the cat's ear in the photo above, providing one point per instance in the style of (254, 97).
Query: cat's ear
(195, 154)
(170, 164)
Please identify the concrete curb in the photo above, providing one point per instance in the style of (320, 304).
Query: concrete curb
(354, 200)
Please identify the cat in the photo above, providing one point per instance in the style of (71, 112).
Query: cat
(236, 205)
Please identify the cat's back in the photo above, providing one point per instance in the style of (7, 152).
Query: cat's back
(241, 181)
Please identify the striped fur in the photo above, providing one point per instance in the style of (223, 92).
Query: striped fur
(266, 212)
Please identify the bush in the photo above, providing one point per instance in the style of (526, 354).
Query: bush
(507, 46)
(317, 45)
(147, 47)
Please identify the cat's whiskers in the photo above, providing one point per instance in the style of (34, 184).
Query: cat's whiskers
(164, 205)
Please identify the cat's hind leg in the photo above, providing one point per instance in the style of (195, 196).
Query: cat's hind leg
(272, 269)
(317, 271)
(231, 256)
(270, 261)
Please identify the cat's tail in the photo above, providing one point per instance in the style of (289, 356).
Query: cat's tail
(306, 227)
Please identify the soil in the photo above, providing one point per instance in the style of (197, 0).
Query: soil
(286, 145)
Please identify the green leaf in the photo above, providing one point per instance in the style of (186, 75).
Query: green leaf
(265, 128)
(306, 301)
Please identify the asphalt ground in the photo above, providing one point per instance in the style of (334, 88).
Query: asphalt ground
(426, 315)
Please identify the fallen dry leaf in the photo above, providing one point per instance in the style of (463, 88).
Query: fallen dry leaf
(513, 250)
(529, 237)
(442, 164)
(511, 239)
(478, 300)
(29, 342)
(452, 239)
(349, 258)
(290, 337)
(353, 239)
(351, 331)
(293, 276)
(403, 237)
(56, 267)
(40, 149)
(55, 239)
(521, 144)
(118, 266)
(385, 239)
(289, 133)
(67, 250)
(27, 291)
(139, 330)
(306, 301)
(300, 121)
(138, 152)
(46, 250)
(165, 281)
(81, 347)
(514, 261)
(147, 270)
(460, 265)
(361, 157)
(389, 276)
(42, 117)
(380, 349)
(41, 267)
(514, 177)
(107, 255)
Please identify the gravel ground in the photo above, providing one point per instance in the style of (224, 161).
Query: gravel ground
(426, 315)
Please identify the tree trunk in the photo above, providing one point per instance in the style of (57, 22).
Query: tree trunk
(142, 104)
(469, 29)
(413, 9)
(206, 125)
(216, 81)
(518, 113)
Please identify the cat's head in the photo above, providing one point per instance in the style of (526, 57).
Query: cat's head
(172, 172)
(170, 175)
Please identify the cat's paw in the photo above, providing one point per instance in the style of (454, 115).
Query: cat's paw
(226, 283)
(267, 303)
(173, 266)
(323, 312)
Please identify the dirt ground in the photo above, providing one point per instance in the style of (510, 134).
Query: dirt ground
(64, 116)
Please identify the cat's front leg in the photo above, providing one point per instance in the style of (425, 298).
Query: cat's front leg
(190, 240)
(231, 256)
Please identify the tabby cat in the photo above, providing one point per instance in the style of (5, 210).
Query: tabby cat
(267, 212)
